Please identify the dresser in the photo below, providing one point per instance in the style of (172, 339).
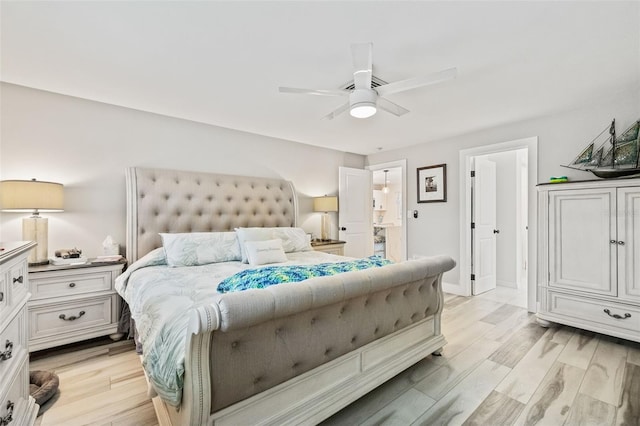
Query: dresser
(330, 246)
(589, 256)
(70, 303)
(17, 407)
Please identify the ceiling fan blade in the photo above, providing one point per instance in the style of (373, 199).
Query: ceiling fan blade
(387, 105)
(317, 92)
(333, 114)
(362, 65)
(412, 83)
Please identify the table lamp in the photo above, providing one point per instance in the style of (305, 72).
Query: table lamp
(33, 196)
(325, 205)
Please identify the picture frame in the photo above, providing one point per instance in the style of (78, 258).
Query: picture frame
(432, 184)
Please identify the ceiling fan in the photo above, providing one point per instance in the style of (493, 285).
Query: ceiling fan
(364, 99)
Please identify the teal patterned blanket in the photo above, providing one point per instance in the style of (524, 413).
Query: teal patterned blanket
(272, 275)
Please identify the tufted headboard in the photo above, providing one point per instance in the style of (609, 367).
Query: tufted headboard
(160, 200)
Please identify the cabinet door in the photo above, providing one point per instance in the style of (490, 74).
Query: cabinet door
(582, 226)
(629, 243)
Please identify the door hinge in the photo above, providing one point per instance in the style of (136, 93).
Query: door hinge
(473, 173)
(473, 277)
(473, 225)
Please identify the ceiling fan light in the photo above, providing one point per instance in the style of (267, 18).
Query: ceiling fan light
(362, 103)
(363, 110)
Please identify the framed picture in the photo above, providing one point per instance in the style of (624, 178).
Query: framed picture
(432, 184)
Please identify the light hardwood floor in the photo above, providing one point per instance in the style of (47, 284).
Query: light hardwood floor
(498, 368)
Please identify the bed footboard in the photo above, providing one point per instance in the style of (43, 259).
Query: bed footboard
(299, 353)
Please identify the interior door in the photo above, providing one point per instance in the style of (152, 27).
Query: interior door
(485, 231)
(355, 202)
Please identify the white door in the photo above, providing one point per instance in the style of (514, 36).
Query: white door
(355, 202)
(485, 232)
(629, 243)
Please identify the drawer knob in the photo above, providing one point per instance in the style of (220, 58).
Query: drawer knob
(72, 317)
(616, 316)
(8, 418)
(18, 280)
(8, 350)
(613, 241)
(72, 285)
(1, 296)
(621, 243)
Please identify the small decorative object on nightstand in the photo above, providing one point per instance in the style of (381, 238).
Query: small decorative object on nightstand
(70, 303)
(330, 246)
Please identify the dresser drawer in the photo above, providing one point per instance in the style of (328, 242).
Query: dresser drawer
(597, 311)
(4, 296)
(49, 285)
(13, 344)
(61, 318)
(18, 281)
(14, 400)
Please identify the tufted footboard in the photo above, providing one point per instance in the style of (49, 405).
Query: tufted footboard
(297, 353)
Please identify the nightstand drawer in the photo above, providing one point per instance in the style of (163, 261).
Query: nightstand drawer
(49, 285)
(60, 318)
(13, 341)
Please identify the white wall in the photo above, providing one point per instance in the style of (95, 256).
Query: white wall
(561, 137)
(86, 146)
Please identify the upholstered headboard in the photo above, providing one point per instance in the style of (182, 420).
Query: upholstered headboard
(160, 200)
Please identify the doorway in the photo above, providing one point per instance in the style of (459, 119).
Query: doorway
(500, 230)
(387, 209)
(514, 265)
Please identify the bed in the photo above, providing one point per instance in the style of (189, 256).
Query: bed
(292, 353)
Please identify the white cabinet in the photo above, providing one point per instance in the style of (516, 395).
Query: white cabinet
(589, 256)
(379, 200)
(16, 405)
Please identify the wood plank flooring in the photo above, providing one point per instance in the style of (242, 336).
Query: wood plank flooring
(499, 368)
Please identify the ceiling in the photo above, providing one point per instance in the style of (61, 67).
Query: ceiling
(221, 63)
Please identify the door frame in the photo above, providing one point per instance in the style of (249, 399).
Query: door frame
(465, 157)
(394, 164)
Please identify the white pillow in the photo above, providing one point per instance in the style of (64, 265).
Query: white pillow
(293, 239)
(200, 248)
(263, 252)
(252, 234)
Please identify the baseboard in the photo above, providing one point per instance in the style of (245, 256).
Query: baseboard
(454, 289)
(508, 284)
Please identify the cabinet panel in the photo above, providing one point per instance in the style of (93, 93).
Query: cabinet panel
(581, 228)
(629, 243)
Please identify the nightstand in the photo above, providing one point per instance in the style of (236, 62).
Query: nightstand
(330, 246)
(70, 303)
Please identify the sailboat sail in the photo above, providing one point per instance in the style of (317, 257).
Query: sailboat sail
(611, 156)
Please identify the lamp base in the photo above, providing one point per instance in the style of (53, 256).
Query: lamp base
(325, 227)
(36, 228)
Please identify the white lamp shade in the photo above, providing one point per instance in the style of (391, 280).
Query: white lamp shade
(31, 195)
(325, 204)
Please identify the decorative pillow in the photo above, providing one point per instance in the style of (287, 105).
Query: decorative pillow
(200, 248)
(252, 234)
(263, 252)
(293, 239)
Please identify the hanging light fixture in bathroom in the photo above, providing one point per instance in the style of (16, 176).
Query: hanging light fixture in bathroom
(386, 188)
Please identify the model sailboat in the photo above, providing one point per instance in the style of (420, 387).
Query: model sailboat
(611, 156)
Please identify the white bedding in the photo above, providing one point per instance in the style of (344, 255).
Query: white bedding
(160, 298)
